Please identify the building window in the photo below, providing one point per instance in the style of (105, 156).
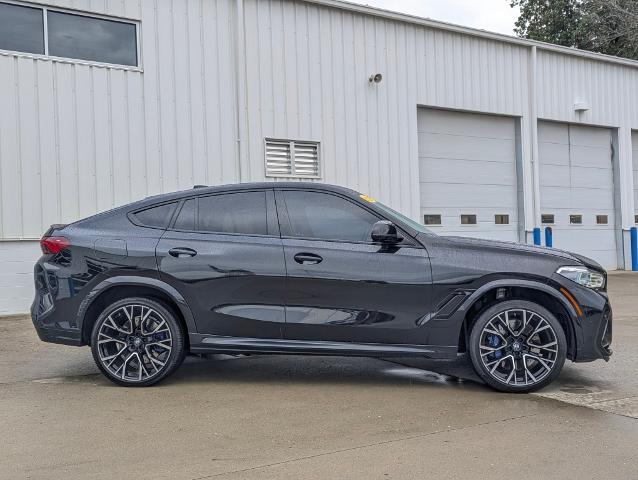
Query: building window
(432, 219)
(636, 219)
(468, 219)
(21, 28)
(602, 219)
(547, 219)
(292, 158)
(500, 219)
(93, 39)
(576, 219)
(46, 31)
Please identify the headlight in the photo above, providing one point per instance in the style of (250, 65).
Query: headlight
(583, 276)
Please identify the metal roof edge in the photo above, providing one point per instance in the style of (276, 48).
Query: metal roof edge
(475, 32)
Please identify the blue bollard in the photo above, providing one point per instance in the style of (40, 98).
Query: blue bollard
(634, 249)
(537, 236)
(549, 237)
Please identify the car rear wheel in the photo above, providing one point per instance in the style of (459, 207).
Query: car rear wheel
(517, 346)
(137, 342)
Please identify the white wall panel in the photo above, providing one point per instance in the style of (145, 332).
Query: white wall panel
(16, 275)
(76, 139)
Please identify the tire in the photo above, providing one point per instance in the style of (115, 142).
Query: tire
(137, 342)
(517, 346)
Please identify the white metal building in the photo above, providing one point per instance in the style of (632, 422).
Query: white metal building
(474, 133)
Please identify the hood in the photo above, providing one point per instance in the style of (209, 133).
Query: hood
(574, 258)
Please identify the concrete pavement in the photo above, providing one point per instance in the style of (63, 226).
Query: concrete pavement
(279, 417)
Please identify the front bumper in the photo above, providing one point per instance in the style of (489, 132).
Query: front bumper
(596, 336)
(593, 329)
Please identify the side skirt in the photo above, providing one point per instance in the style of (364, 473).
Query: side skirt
(218, 344)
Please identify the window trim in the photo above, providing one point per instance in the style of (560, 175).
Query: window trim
(292, 142)
(285, 227)
(76, 61)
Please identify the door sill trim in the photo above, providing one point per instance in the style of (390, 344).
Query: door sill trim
(216, 343)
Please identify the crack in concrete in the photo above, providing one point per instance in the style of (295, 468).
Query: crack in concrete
(359, 447)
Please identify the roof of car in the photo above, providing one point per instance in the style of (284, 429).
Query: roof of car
(202, 190)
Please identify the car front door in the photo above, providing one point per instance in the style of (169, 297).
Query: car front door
(342, 286)
(223, 253)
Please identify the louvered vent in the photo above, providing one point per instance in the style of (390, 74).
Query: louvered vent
(291, 158)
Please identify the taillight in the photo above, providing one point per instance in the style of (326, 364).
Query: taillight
(54, 244)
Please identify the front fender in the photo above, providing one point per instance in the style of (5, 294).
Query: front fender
(529, 284)
(451, 324)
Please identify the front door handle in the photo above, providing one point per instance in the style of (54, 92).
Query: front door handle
(308, 258)
(181, 252)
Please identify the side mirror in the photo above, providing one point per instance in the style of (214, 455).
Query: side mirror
(385, 232)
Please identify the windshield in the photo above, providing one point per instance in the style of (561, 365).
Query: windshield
(408, 221)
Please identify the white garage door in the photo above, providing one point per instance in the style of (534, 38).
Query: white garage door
(634, 143)
(467, 166)
(577, 189)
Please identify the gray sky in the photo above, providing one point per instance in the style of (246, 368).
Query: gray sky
(492, 15)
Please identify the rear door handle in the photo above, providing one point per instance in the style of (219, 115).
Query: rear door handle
(308, 258)
(181, 252)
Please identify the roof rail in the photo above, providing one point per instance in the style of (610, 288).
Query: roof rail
(200, 186)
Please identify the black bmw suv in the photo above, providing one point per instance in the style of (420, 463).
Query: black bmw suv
(310, 269)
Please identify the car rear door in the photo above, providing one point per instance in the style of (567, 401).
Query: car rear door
(223, 253)
(342, 286)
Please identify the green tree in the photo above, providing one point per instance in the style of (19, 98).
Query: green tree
(604, 26)
(611, 27)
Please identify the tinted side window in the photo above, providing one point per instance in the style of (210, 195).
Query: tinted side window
(187, 218)
(156, 216)
(243, 212)
(21, 28)
(328, 217)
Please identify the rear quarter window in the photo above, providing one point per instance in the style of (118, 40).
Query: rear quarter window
(155, 217)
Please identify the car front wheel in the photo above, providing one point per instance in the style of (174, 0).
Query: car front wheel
(137, 342)
(517, 346)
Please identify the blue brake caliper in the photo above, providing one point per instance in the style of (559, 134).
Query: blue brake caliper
(494, 341)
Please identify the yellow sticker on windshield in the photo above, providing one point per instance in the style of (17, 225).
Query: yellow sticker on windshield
(367, 198)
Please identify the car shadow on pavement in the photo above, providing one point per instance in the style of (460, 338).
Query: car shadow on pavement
(313, 370)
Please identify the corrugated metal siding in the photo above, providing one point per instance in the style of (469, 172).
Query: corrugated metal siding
(307, 69)
(120, 8)
(77, 139)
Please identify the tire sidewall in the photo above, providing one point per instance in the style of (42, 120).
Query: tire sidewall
(489, 313)
(177, 334)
